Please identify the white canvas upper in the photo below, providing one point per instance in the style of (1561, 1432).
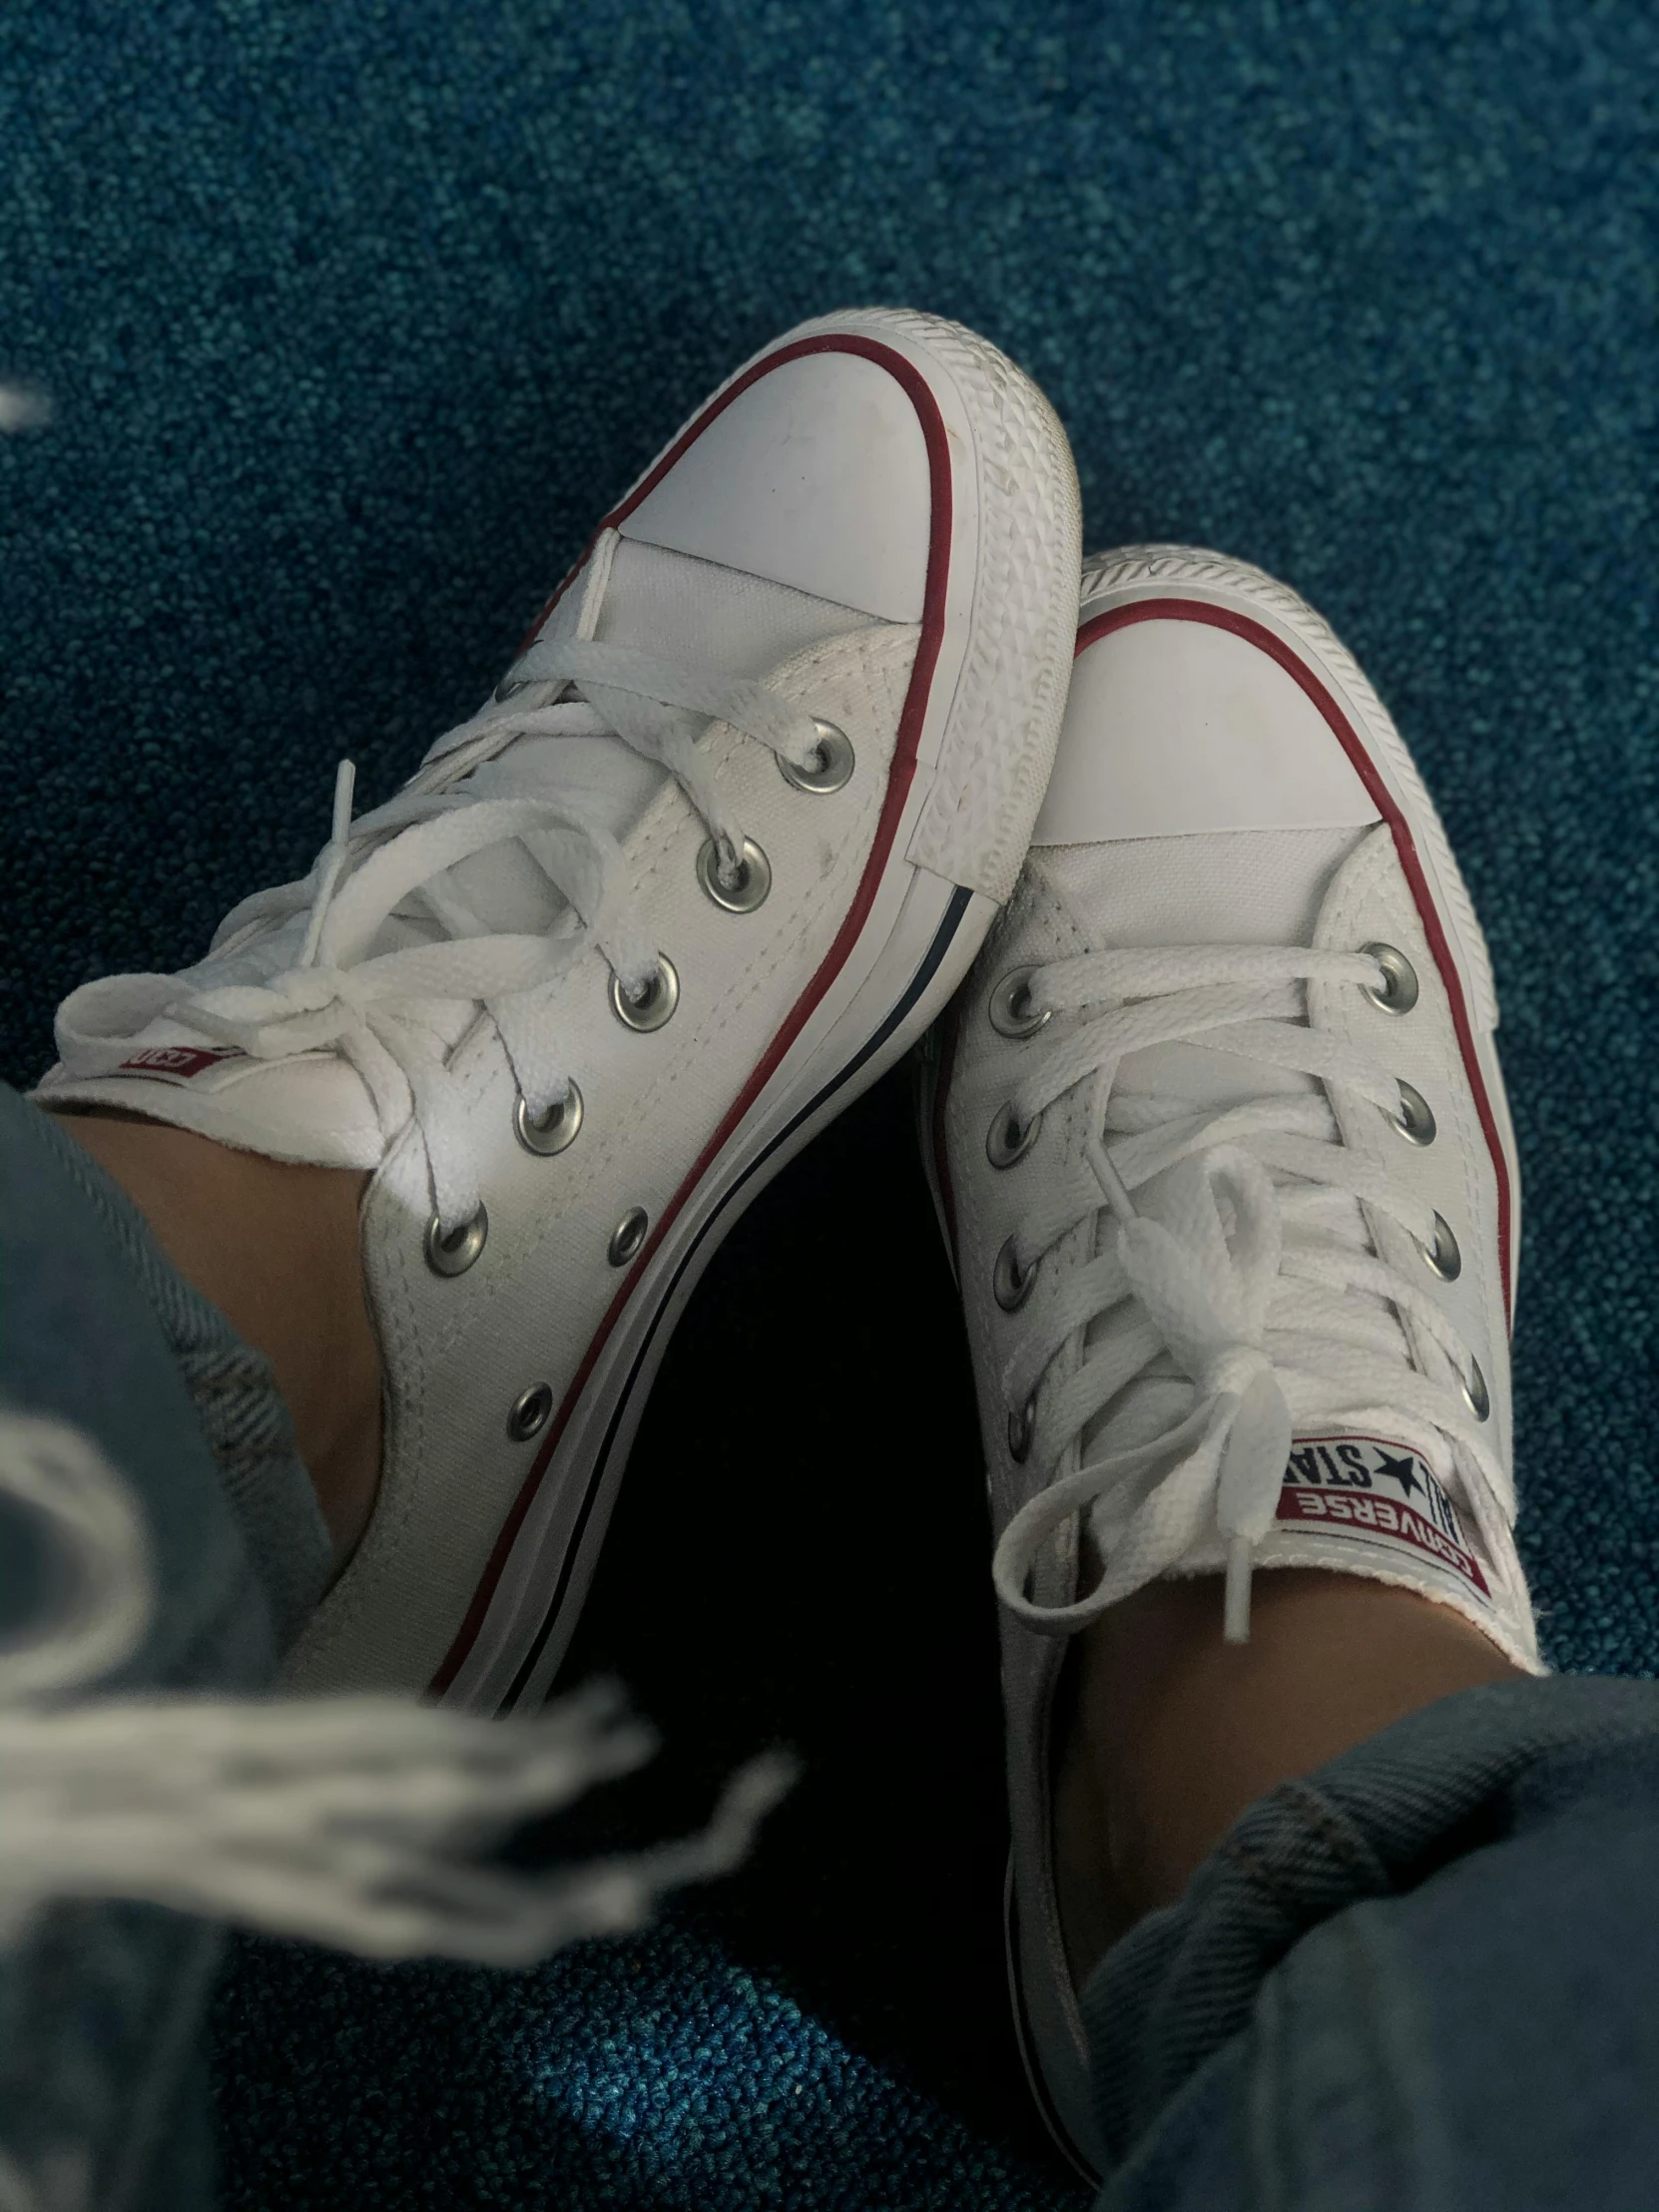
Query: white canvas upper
(872, 527)
(1205, 1325)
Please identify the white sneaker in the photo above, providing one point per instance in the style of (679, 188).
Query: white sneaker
(718, 850)
(1225, 1161)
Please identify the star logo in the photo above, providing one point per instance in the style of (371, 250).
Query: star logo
(1403, 1470)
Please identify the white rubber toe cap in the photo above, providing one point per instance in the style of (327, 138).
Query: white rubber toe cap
(1181, 720)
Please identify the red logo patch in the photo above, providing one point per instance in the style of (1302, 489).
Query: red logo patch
(1360, 1485)
(181, 1062)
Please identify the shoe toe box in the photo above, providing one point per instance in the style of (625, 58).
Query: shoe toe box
(1186, 716)
(813, 473)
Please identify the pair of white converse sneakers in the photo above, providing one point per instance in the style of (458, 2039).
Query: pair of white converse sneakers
(1217, 1125)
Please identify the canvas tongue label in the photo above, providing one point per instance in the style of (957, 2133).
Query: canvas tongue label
(1377, 1493)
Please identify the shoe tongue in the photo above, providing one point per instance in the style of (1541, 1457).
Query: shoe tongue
(1252, 886)
(668, 604)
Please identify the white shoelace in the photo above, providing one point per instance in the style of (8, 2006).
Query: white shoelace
(359, 1822)
(1234, 1305)
(377, 1009)
(353, 1821)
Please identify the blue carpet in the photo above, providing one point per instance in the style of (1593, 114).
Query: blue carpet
(692, 2083)
(354, 318)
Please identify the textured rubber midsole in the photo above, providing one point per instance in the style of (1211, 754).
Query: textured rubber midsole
(1024, 2036)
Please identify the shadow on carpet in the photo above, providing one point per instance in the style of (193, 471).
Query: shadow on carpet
(799, 1555)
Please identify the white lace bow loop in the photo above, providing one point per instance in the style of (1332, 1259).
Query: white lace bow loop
(1240, 1297)
(1201, 1258)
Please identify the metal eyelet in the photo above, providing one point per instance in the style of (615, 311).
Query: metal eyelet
(1415, 1119)
(1010, 1287)
(1007, 1141)
(628, 1235)
(1011, 1012)
(835, 761)
(1443, 1256)
(557, 1128)
(1399, 981)
(454, 1254)
(751, 882)
(1474, 1389)
(655, 1004)
(1023, 1427)
(531, 1412)
(506, 687)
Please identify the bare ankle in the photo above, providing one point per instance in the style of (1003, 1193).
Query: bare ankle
(274, 1245)
(1167, 1733)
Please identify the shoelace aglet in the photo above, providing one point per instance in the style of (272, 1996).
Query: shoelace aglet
(334, 859)
(345, 786)
(1241, 1563)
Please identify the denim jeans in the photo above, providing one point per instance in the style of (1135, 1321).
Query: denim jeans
(103, 2090)
(1421, 1977)
(1426, 1975)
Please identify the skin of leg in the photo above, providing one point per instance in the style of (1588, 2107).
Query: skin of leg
(275, 1246)
(1165, 1733)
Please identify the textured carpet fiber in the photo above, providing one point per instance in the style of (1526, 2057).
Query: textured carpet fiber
(354, 318)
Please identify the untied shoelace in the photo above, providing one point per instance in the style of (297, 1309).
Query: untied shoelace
(336, 995)
(367, 1822)
(1202, 1277)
